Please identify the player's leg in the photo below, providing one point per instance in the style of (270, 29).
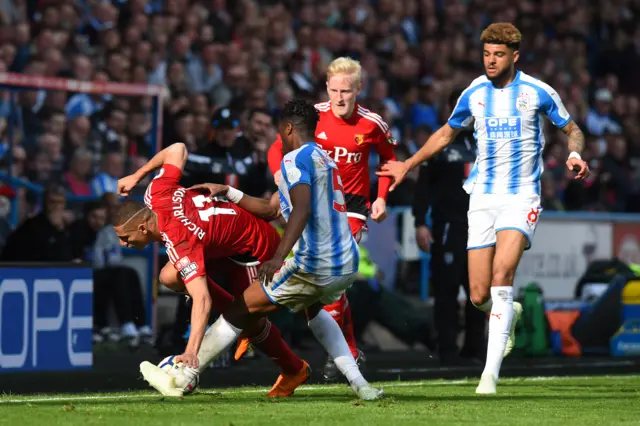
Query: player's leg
(509, 248)
(267, 338)
(341, 312)
(170, 278)
(330, 336)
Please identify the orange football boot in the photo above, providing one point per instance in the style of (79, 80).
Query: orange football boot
(243, 347)
(286, 385)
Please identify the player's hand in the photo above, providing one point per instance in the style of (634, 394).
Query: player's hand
(268, 269)
(189, 359)
(214, 189)
(579, 166)
(126, 184)
(396, 170)
(379, 210)
(424, 239)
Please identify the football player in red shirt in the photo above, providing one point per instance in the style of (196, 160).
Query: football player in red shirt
(348, 132)
(201, 233)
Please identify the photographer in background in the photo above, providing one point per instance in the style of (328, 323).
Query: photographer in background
(439, 188)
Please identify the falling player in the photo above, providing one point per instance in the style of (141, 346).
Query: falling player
(200, 234)
(506, 107)
(348, 132)
(325, 255)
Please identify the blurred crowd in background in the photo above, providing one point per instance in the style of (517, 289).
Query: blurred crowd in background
(228, 66)
(251, 57)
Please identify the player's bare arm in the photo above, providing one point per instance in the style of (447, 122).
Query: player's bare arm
(300, 210)
(200, 311)
(397, 170)
(576, 146)
(175, 154)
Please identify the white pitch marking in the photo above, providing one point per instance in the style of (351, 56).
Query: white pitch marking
(71, 398)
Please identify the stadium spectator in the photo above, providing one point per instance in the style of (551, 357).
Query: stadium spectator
(114, 283)
(112, 169)
(44, 237)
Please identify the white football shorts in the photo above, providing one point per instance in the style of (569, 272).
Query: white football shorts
(296, 290)
(491, 213)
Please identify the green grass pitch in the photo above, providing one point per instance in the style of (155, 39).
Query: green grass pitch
(602, 401)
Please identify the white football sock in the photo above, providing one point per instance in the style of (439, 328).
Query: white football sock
(499, 324)
(328, 333)
(484, 307)
(217, 338)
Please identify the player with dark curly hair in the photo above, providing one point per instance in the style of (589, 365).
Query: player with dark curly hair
(505, 106)
(325, 255)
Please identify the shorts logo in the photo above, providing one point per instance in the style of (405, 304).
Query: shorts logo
(522, 102)
(532, 217)
(359, 139)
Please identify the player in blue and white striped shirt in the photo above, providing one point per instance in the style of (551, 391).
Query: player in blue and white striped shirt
(325, 255)
(506, 107)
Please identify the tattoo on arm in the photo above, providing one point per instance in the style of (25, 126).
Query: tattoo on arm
(575, 136)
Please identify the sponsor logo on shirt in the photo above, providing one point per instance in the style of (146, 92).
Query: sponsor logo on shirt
(189, 270)
(503, 128)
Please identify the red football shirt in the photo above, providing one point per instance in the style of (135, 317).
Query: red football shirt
(195, 228)
(349, 142)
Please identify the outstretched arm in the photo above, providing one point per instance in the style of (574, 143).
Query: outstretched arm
(436, 143)
(175, 155)
(265, 209)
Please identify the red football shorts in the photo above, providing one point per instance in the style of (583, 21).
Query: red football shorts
(358, 226)
(239, 275)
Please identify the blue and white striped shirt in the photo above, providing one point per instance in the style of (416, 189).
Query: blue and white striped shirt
(326, 246)
(508, 126)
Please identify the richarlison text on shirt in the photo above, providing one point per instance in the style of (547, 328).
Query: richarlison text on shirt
(178, 212)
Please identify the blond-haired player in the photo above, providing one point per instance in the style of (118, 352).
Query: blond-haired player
(506, 108)
(347, 132)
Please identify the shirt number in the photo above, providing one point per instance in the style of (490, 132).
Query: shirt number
(201, 201)
(338, 191)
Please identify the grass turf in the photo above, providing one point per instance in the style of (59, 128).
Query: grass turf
(606, 400)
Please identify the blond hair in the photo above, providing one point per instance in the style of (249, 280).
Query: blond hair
(345, 65)
(502, 33)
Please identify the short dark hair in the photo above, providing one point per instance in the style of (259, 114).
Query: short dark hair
(502, 33)
(301, 114)
(254, 111)
(128, 209)
(92, 206)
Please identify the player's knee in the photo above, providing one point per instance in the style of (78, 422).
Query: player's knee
(170, 279)
(479, 296)
(503, 277)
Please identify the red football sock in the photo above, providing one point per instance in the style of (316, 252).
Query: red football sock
(220, 298)
(339, 311)
(269, 340)
(336, 310)
(347, 330)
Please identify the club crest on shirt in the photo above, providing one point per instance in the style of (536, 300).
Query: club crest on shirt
(359, 139)
(522, 102)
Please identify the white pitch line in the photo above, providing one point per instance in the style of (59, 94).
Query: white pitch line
(312, 388)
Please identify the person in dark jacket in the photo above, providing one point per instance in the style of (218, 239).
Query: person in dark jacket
(439, 189)
(44, 237)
